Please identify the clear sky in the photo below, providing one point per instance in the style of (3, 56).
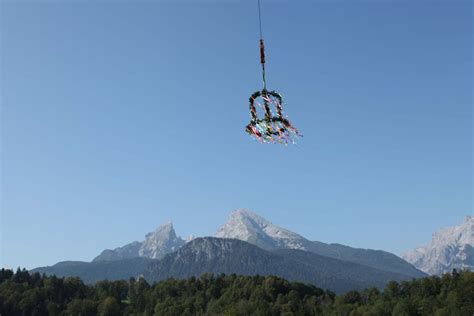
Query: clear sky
(118, 116)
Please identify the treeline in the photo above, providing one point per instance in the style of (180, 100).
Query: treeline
(22, 293)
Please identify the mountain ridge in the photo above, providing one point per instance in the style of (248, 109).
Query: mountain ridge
(246, 244)
(156, 244)
(450, 248)
(248, 226)
(232, 256)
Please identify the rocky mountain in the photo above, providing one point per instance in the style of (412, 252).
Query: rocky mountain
(247, 244)
(250, 227)
(450, 248)
(220, 255)
(156, 244)
(126, 252)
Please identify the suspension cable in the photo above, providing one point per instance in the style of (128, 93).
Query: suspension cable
(262, 48)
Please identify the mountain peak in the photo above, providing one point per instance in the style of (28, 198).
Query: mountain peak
(165, 230)
(244, 212)
(248, 226)
(450, 248)
(168, 226)
(157, 243)
(160, 242)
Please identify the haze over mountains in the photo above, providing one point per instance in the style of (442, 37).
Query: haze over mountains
(246, 244)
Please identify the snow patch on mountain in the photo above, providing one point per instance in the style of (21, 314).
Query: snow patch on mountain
(250, 227)
(156, 245)
(160, 242)
(450, 248)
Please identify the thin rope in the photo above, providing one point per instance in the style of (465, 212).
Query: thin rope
(262, 47)
(260, 19)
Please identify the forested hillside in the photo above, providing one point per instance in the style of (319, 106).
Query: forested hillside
(233, 256)
(22, 293)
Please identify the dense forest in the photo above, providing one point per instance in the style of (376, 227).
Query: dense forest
(24, 293)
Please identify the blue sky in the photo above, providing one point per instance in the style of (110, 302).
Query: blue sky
(118, 116)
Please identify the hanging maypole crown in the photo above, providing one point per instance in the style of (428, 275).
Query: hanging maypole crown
(271, 128)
